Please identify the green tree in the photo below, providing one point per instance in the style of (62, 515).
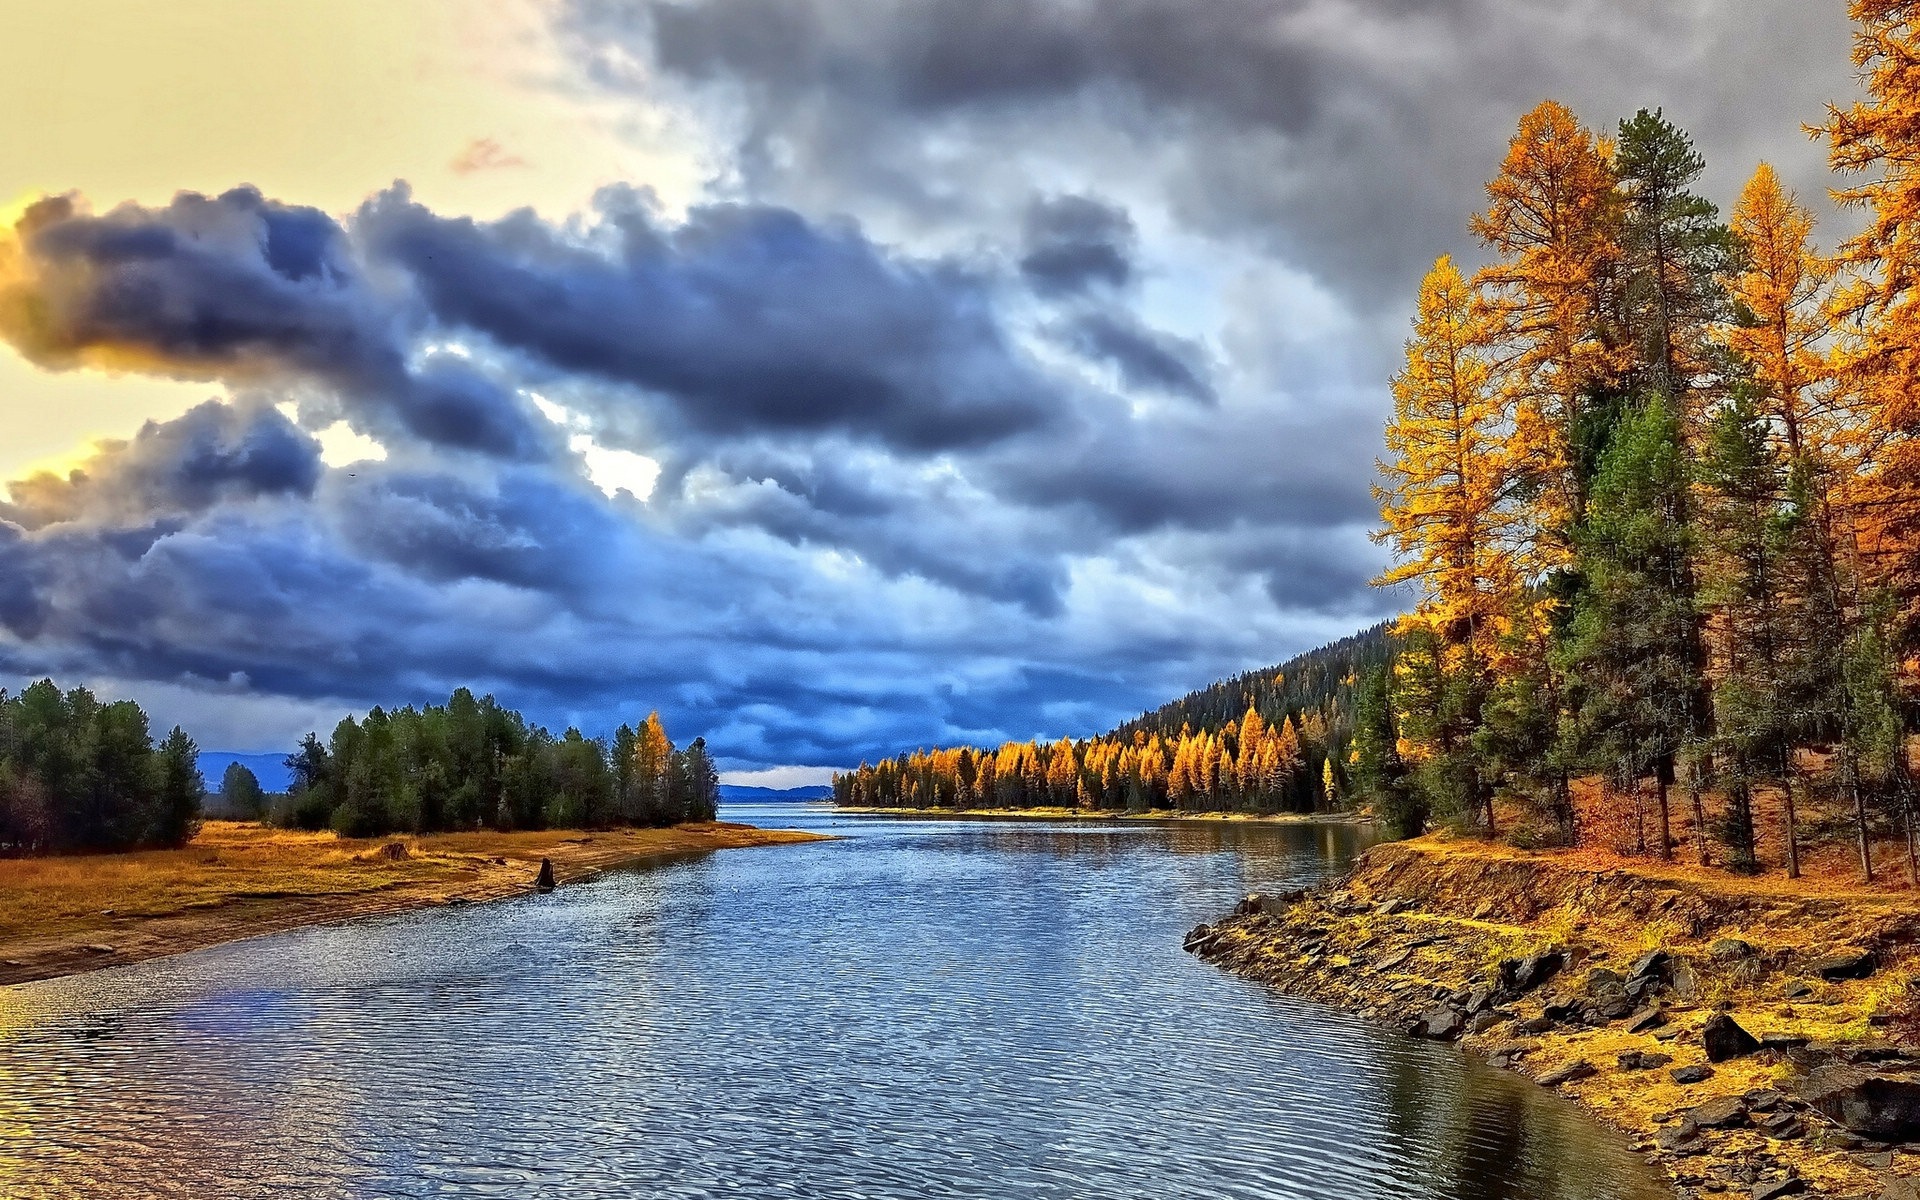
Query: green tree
(241, 794)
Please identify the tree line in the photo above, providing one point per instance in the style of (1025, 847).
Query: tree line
(1653, 473)
(473, 764)
(1264, 742)
(80, 774)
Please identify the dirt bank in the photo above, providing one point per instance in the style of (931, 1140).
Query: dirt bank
(1617, 987)
(61, 916)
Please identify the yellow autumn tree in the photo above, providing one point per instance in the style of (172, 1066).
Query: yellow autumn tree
(1446, 497)
(1876, 143)
(1782, 295)
(1553, 217)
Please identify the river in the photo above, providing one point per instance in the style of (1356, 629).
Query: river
(923, 1009)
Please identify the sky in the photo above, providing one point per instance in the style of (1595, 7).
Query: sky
(834, 376)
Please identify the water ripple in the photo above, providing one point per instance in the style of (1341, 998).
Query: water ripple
(922, 1010)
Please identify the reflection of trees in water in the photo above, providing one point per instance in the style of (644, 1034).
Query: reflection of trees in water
(1490, 1136)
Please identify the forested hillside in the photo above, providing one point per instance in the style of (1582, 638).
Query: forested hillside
(1274, 740)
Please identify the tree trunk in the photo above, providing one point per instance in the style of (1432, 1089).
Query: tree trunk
(1860, 824)
(1699, 807)
(1666, 822)
(1792, 831)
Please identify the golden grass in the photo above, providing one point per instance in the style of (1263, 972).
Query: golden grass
(237, 879)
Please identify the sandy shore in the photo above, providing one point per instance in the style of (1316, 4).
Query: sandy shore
(1602, 981)
(61, 916)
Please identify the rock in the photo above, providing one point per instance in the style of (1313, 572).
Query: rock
(1525, 974)
(1901, 1189)
(1393, 962)
(1677, 1138)
(1780, 1125)
(1797, 989)
(1652, 1018)
(1443, 1024)
(1786, 1042)
(1723, 1039)
(99, 948)
(1849, 964)
(1722, 1112)
(1394, 908)
(1731, 950)
(395, 851)
(1577, 1069)
(1694, 1074)
(1643, 1060)
(1537, 1025)
(1763, 1100)
(458, 902)
(1268, 903)
(1479, 1001)
(1792, 1185)
(1482, 1022)
(1883, 1108)
(544, 882)
(1602, 982)
(1651, 965)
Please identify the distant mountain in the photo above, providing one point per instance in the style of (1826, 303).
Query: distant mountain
(740, 793)
(269, 769)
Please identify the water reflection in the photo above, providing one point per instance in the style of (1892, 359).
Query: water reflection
(924, 1009)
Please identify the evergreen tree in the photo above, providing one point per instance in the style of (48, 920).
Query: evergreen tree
(240, 793)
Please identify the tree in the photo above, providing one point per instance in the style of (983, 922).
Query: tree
(241, 794)
(1447, 510)
(1634, 642)
(180, 792)
(703, 799)
(650, 774)
(1675, 252)
(1554, 219)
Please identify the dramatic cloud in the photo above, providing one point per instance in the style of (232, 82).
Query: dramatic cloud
(1023, 364)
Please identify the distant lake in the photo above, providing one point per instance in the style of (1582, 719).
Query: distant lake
(925, 1009)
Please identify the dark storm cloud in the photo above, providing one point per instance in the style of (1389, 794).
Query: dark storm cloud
(241, 289)
(1073, 242)
(749, 318)
(212, 454)
(1145, 358)
(1350, 136)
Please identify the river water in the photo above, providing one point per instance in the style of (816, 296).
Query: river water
(924, 1009)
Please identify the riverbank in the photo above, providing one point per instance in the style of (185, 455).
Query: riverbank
(61, 916)
(1082, 814)
(1618, 986)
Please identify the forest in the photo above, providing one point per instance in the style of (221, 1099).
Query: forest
(1653, 474)
(1265, 742)
(79, 774)
(472, 764)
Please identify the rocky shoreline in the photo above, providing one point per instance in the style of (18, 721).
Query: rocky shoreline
(1750, 1043)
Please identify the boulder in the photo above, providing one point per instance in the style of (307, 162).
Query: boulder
(1693, 1074)
(1792, 1185)
(1723, 1039)
(1652, 1018)
(544, 881)
(1526, 974)
(1444, 1024)
(395, 851)
(1196, 938)
(1651, 965)
(1901, 1189)
(1643, 1060)
(1577, 1069)
(1879, 1107)
(1602, 982)
(1797, 989)
(1721, 1112)
(1848, 964)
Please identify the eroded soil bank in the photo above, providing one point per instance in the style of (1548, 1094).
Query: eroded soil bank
(1751, 1040)
(61, 916)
